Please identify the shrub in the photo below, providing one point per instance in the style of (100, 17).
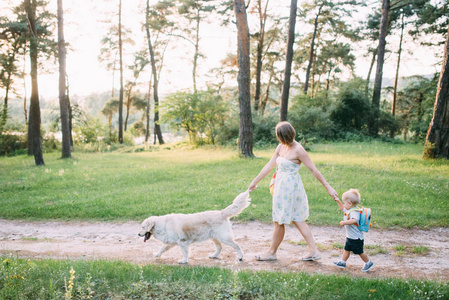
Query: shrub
(13, 140)
(310, 117)
(353, 109)
(264, 129)
(229, 131)
(138, 128)
(388, 123)
(200, 115)
(312, 122)
(13, 144)
(91, 131)
(415, 105)
(49, 143)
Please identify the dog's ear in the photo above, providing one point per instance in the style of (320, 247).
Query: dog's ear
(148, 224)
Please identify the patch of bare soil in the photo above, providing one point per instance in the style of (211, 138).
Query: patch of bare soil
(119, 241)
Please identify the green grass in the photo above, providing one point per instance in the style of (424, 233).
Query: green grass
(375, 249)
(401, 189)
(420, 250)
(22, 279)
(403, 250)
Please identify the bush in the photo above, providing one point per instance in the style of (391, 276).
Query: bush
(13, 144)
(200, 115)
(353, 109)
(310, 117)
(229, 131)
(13, 140)
(312, 122)
(387, 123)
(138, 128)
(264, 129)
(90, 132)
(49, 143)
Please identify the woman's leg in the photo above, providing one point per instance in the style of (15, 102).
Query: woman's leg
(308, 236)
(278, 237)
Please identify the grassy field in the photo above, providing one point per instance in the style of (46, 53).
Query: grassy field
(22, 279)
(401, 189)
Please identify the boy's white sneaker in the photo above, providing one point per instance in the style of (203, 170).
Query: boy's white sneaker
(341, 264)
(367, 266)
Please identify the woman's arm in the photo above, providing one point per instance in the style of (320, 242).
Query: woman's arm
(265, 170)
(305, 159)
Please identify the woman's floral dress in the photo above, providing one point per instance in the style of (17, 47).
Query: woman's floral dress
(289, 197)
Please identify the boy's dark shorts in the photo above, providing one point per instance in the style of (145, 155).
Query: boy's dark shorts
(356, 246)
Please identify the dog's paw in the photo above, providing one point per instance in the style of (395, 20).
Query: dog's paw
(182, 262)
(157, 255)
(212, 256)
(240, 259)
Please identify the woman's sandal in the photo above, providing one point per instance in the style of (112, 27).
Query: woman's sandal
(313, 257)
(268, 258)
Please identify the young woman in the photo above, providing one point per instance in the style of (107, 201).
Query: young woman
(290, 204)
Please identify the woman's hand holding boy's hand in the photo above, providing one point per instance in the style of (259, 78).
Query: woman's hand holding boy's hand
(333, 193)
(252, 186)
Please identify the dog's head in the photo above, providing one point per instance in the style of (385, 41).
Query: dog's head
(147, 227)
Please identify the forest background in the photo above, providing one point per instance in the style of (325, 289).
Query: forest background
(196, 61)
(190, 69)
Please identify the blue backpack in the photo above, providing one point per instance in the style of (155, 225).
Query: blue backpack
(365, 218)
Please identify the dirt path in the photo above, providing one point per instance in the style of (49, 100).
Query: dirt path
(119, 241)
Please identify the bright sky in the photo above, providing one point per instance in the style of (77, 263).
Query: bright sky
(84, 30)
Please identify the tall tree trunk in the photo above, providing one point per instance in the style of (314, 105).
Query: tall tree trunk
(147, 127)
(113, 77)
(9, 68)
(437, 140)
(373, 60)
(419, 115)
(128, 107)
(375, 105)
(264, 102)
(246, 123)
(63, 101)
(34, 123)
(262, 22)
(120, 46)
(328, 80)
(196, 55)
(157, 127)
(396, 78)
(4, 116)
(4, 113)
(311, 53)
(25, 91)
(288, 62)
(70, 113)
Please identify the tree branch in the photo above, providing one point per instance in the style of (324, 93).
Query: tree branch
(183, 37)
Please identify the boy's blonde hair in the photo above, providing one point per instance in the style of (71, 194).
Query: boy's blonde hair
(285, 132)
(352, 195)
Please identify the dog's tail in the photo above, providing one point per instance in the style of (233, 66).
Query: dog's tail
(241, 202)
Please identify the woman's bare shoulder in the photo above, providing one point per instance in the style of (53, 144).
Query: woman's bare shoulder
(299, 149)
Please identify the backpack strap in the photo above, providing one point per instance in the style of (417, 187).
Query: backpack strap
(350, 211)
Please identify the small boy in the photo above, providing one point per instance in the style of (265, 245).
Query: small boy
(354, 237)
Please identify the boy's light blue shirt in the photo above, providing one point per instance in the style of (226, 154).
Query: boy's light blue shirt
(352, 231)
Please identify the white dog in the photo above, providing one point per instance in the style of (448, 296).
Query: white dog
(182, 229)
